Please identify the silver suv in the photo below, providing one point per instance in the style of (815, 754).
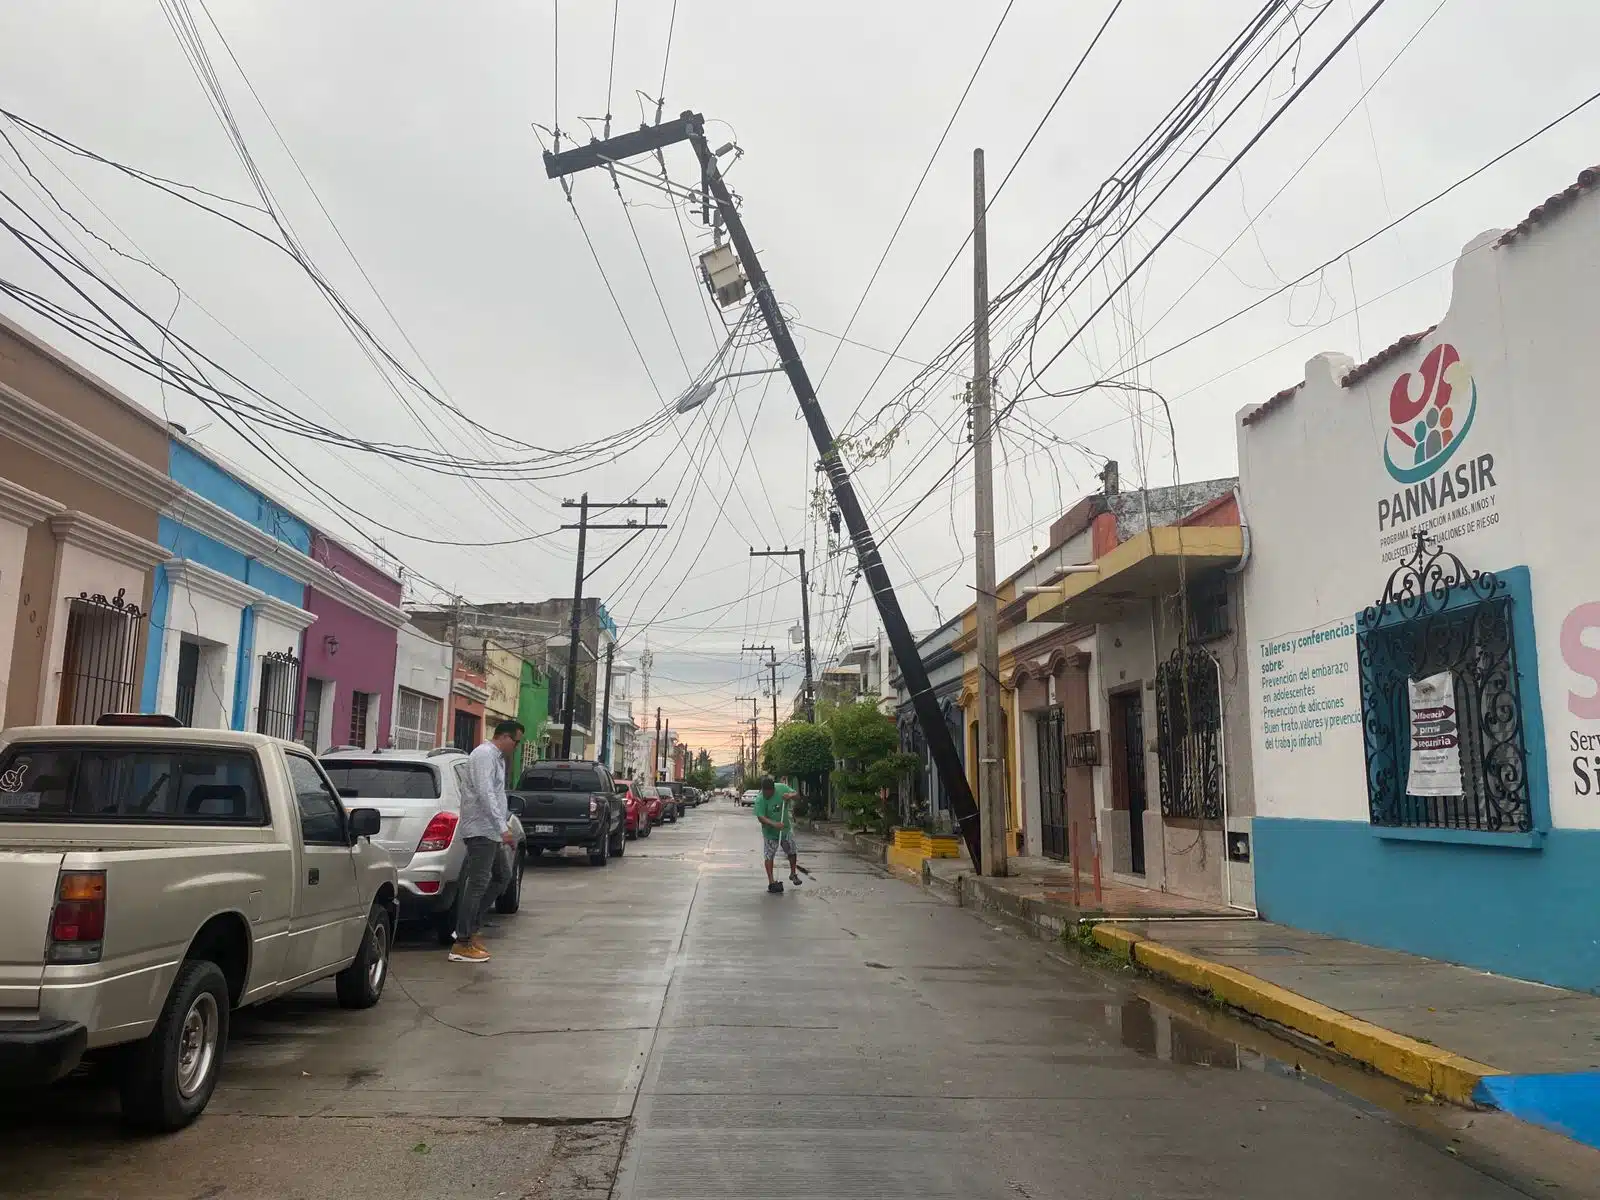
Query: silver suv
(418, 795)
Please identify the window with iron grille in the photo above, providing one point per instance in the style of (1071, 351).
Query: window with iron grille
(100, 664)
(417, 721)
(360, 707)
(1208, 608)
(280, 689)
(311, 718)
(1438, 618)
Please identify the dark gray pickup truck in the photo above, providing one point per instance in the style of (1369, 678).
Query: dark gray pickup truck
(571, 804)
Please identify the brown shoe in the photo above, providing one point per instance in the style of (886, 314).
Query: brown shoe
(468, 953)
(476, 942)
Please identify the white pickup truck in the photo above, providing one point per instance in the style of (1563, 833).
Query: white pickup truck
(154, 878)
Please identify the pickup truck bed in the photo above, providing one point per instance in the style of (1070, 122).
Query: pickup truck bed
(155, 878)
(565, 804)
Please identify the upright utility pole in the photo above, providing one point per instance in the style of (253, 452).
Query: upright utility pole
(583, 526)
(772, 666)
(690, 127)
(755, 723)
(655, 752)
(605, 710)
(808, 697)
(991, 777)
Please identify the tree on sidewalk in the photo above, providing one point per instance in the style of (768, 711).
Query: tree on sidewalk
(866, 745)
(802, 752)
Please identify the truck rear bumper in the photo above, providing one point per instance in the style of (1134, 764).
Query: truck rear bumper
(564, 833)
(34, 1053)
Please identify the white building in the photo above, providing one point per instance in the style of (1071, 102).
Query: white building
(422, 686)
(1427, 713)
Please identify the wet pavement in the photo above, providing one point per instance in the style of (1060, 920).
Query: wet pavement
(664, 1028)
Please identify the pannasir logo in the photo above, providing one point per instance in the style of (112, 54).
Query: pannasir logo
(1427, 428)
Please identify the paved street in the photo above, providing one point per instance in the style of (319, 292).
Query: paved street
(663, 1028)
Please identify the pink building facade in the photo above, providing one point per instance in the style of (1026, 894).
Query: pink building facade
(348, 676)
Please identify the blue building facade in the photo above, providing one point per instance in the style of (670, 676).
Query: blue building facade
(228, 610)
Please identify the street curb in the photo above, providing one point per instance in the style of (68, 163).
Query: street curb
(1426, 1068)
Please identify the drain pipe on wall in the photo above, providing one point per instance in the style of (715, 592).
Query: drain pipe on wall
(1227, 861)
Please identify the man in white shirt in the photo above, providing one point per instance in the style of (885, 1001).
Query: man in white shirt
(485, 827)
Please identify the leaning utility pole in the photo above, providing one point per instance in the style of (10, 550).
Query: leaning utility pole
(991, 777)
(583, 526)
(690, 127)
(772, 665)
(808, 696)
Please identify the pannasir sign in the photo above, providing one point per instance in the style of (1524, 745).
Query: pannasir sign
(1431, 414)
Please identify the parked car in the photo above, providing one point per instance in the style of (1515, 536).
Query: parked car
(572, 804)
(671, 798)
(694, 796)
(638, 808)
(654, 807)
(750, 797)
(418, 795)
(155, 878)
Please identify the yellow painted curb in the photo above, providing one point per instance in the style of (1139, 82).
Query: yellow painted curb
(1427, 1068)
(1117, 940)
(910, 860)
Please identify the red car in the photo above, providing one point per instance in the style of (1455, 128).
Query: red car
(643, 810)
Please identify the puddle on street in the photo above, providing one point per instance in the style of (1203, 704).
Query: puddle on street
(1158, 1032)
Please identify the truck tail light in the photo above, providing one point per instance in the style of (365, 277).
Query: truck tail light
(78, 921)
(428, 887)
(594, 806)
(441, 831)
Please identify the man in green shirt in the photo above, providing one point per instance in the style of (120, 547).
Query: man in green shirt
(777, 832)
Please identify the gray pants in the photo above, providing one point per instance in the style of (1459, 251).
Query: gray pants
(483, 877)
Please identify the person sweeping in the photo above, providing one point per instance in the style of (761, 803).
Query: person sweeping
(777, 832)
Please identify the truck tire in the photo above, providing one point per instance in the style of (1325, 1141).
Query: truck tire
(360, 985)
(600, 854)
(167, 1079)
(510, 897)
(619, 841)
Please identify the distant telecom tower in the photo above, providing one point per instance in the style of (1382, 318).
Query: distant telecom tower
(646, 661)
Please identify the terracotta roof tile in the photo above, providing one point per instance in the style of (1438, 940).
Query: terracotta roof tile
(1387, 355)
(1552, 207)
(1276, 402)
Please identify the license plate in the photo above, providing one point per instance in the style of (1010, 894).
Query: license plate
(544, 828)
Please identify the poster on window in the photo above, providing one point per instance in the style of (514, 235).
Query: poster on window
(1435, 737)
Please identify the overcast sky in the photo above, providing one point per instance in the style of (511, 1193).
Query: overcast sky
(415, 123)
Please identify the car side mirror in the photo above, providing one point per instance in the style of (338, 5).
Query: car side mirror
(364, 822)
(622, 789)
(514, 805)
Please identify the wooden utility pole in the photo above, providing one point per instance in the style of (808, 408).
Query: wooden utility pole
(655, 752)
(604, 715)
(991, 776)
(772, 666)
(808, 696)
(634, 528)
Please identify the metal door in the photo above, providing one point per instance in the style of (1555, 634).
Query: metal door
(1052, 734)
(1128, 713)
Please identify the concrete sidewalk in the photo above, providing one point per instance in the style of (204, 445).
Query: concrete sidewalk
(1466, 1035)
(1460, 1034)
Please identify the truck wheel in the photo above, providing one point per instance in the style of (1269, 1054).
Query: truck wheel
(510, 897)
(619, 843)
(599, 855)
(167, 1078)
(360, 985)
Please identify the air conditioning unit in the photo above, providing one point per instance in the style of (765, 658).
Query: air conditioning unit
(724, 275)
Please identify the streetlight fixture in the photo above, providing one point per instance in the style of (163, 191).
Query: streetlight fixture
(700, 393)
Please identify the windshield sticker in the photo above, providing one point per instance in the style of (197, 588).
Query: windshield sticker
(11, 780)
